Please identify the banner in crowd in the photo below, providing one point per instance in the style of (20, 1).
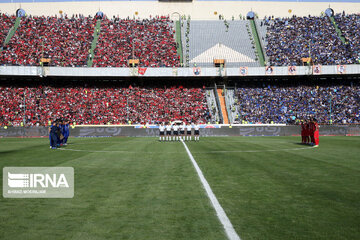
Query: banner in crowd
(292, 70)
(243, 71)
(269, 70)
(317, 69)
(197, 71)
(142, 71)
(341, 69)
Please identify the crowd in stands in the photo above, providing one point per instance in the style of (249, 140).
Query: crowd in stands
(65, 40)
(291, 39)
(6, 22)
(152, 40)
(85, 105)
(350, 27)
(273, 104)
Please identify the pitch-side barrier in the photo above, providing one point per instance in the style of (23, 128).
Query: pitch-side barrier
(205, 130)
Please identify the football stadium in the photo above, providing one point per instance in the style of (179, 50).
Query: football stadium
(180, 119)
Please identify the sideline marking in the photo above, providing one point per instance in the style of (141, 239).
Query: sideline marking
(225, 221)
(220, 151)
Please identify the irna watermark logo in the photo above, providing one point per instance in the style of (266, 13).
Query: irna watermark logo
(38, 182)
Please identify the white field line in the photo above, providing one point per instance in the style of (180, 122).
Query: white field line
(229, 229)
(221, 151)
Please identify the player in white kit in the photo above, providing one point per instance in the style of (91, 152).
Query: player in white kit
(197, 132)
(188, 132)
(182, 131)
(162, 132)
(176, 132)
(168, 132)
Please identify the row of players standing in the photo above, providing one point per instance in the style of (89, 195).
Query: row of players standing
(59, 132)
(310, 132)
(179, 132)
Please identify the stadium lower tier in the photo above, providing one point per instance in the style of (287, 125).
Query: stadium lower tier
(270, 103)
(36, 104)
(93, 105)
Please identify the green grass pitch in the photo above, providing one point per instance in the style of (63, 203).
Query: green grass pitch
(139, 188)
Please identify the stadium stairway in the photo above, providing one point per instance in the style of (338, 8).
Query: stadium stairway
(258, 45)
(223, 106)
(179, 40)
(12, 31)
(212, 105)
(338, 31)
(230, 104)
(94, 42)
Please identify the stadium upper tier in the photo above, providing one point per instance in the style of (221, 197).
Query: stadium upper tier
(210, 40)
(286, 41)
(149, 40)
(105, 105)
(289, 40)
(65, 41)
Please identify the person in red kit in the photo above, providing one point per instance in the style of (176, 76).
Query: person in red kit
(302, 132)
(311, 132)
(316, 133)
(307, 132)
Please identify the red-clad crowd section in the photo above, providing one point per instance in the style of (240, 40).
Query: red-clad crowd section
(66, 41)
(101, 105)
(149, 40)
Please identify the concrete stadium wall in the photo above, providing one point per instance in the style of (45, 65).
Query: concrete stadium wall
(343, 130)
(197, 9)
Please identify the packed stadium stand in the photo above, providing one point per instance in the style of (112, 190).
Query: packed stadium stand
(288, 40)
(65, 41)
(7, 21)
(153, 40)
(350, 27)
(101, 105)
(274, 103)
(209, 40)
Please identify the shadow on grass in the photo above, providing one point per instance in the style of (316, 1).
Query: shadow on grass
(302, 144)
(8, 151)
